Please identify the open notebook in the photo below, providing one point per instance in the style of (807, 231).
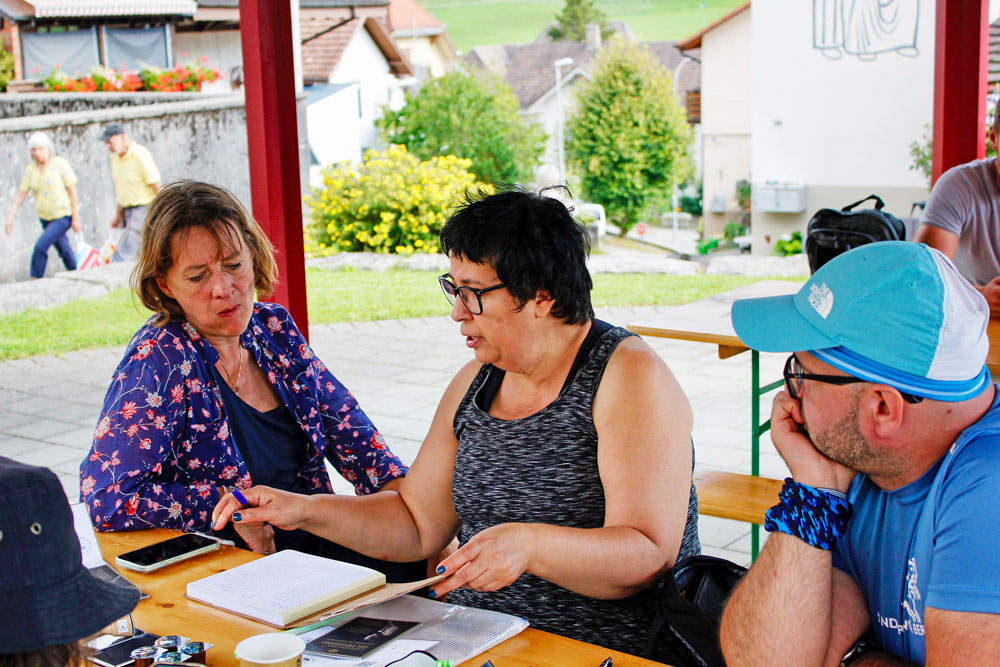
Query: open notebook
(288, 586)
(91, 550)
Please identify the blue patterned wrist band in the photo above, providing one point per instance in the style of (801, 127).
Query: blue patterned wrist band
(815, 516)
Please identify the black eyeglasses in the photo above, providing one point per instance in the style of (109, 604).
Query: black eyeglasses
(794, 378)
(475, 306)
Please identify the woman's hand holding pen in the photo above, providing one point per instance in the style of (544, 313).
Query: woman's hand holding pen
(259, 505)
(492, 559)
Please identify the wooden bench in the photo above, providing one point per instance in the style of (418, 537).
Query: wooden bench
(732, 495)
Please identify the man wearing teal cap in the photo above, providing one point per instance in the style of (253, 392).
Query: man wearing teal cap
(890, 426)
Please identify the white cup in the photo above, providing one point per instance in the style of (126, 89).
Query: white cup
(274, 649)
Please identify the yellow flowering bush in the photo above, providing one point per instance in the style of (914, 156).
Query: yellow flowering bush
(392, 203)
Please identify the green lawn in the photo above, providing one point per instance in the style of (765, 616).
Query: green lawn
(334, 296)
(482, 22)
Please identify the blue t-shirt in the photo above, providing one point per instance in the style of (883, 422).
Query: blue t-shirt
(931, 543)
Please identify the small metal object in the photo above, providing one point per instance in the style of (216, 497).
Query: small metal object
(144, 656)
(172, 656)
(170, 641)
(196, 650)
(36, 528)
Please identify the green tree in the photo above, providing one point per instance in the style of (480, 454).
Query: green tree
(629, 139)
(6, 69)
(571, 22)
(473, 117)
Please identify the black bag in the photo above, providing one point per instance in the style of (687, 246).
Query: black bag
(832, 232)
(685, 628)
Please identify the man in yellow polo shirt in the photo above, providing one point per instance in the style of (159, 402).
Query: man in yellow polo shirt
(137, 180)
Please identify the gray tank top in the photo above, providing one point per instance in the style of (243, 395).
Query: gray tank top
(543, 469)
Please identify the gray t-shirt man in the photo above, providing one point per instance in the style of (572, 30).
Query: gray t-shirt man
(966, 202)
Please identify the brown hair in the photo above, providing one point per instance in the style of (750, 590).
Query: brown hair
(175, 210)
(60, 655)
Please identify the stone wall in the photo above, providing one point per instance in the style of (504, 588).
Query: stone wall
(21, 105)
(202, 138)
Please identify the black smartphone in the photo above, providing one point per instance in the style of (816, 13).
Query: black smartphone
(161, 554)
(120, 653)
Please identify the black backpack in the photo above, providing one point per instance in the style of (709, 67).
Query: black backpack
(685, 627)
(832, 232)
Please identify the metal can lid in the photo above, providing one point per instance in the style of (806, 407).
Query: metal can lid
(193, 648)
(170, 641)
(172, 656)
(144, 652)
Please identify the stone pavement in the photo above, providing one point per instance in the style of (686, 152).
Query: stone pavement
(398, 370)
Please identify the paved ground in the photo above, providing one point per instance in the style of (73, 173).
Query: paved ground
(398, 370)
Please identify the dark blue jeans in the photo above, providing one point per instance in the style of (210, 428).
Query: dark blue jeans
(53, 232)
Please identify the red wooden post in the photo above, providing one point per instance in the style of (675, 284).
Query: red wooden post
(961, 49)
(273, 143)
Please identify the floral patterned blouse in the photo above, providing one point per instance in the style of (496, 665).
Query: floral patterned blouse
(163, 445)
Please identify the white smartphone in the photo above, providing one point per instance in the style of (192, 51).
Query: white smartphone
(161, 554)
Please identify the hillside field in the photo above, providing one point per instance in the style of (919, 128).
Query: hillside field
(482, 22)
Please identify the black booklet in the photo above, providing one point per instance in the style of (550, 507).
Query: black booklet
(359, 637)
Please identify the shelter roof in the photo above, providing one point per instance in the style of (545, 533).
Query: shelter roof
(993, 70)
(28, 9)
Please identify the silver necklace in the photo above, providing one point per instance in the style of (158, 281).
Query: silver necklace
(239, 372)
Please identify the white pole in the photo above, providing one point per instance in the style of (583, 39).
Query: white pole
(676, 195)
(559, 121)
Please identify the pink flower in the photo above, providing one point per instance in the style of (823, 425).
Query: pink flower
(132, 430)
(228, 472)
(87, 485)
(144, 348)
(194, 463)
(175, 510)
(145, 443)
(154, 399)
(305, 351)
(128, 410)
(103, 427)
(176, 393)
(273, 324)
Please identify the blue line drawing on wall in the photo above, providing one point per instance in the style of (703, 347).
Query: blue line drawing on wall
(865, 28)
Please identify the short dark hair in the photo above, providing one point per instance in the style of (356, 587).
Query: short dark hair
(174, 211)
(531, 241)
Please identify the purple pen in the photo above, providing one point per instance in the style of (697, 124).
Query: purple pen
(240, 497)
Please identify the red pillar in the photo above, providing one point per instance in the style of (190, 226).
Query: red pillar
(961, 50)
(273, 143)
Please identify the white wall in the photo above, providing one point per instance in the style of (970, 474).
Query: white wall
(837, 118)
(836, 122)
(363, 61)
(726, 75)
(726, 112)
(221, 47)
(333, 129)
(423, 51)
(545, 112)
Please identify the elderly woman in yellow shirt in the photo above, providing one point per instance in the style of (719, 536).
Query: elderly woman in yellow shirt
(53, 183)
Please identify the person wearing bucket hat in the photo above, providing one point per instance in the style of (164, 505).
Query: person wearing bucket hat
(48, 600)
(890, 425)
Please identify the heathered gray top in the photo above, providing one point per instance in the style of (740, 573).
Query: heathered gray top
(966, 202)
(543, 469)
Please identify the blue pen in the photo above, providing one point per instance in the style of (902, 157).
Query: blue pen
(240, 497)
(607, 663)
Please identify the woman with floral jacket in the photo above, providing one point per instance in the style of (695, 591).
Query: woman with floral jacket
(218, 391)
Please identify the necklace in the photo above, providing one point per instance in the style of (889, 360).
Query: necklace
(239, 373)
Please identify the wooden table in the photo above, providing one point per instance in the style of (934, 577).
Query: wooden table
(168, 612)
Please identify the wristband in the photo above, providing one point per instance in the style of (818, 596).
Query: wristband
(815, 516)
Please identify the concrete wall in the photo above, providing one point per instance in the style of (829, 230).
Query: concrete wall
(838, 116)
(726, 160)
(725, 117)
(204, 139)
(898, 201)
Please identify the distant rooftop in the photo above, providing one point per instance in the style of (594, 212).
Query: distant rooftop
(28, 9)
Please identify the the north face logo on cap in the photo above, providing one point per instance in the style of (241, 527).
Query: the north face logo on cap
(821, 299)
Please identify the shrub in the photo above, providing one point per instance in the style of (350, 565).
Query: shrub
(788, 245)
(392, 203)
(6, 69)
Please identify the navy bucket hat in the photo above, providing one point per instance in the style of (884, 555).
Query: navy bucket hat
(47, 597)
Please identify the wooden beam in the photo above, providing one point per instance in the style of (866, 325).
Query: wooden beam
(273, 143)
(961, 50)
